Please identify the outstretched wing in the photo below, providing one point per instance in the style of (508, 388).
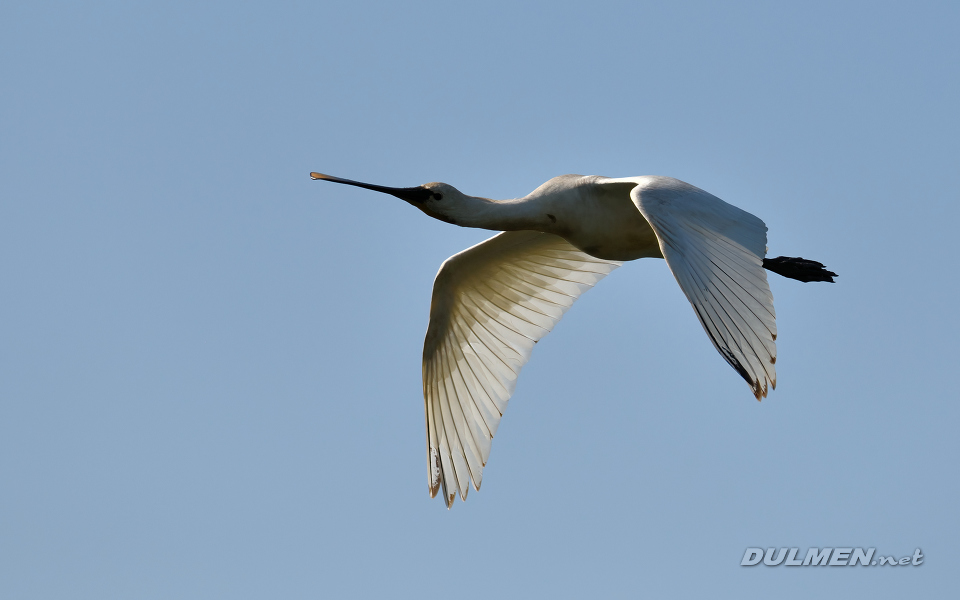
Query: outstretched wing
(715, 250)
(491, 303)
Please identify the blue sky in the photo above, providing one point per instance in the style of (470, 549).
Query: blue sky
(210, 364)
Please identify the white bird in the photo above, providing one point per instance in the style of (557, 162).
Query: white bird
(492, 302)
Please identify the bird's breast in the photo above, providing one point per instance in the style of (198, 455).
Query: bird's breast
(610, 227)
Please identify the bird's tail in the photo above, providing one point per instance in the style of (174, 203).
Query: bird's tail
(800, 269)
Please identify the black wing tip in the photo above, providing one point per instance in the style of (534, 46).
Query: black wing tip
(758, 389)
(800, 269)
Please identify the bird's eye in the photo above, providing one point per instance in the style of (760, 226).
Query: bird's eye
(437, 196)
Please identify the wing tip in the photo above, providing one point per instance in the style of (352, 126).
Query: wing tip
(760, 391)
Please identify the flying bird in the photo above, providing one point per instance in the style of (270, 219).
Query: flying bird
(492, 302)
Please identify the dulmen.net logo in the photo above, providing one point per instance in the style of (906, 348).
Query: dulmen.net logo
(832, 557)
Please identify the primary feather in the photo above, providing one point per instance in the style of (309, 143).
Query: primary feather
(491, 303)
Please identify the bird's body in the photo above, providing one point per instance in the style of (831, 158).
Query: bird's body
(593, 213)
(491, 303)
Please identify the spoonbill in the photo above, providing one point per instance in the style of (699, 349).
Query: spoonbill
(492, 302)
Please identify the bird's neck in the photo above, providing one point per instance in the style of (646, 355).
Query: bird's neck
(497, 215)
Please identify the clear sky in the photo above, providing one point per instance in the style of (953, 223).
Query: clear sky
(210, 364)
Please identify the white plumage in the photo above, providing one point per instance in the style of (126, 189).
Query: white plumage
(491, 303)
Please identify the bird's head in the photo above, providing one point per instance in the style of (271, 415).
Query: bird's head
(438, 200)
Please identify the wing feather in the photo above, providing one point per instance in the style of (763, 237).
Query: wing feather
(715, 251)
(491, 304)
